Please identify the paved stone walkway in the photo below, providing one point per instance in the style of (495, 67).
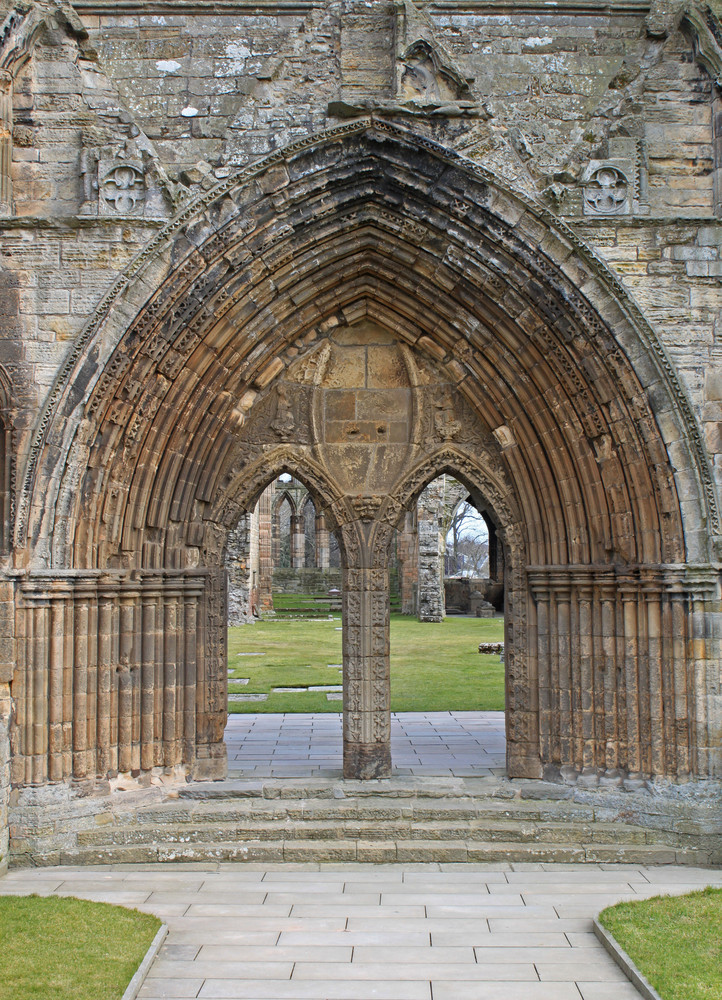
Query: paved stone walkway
(375, 932)
(463, 744)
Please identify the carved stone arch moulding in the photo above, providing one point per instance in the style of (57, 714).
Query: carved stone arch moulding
(7, 461)
(245, 342)
(283, 496)
(92, 368)
(242, 494)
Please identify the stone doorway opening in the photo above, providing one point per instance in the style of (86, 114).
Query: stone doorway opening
(285, 683)
(277, 727)
(451, 694)
(458, 725)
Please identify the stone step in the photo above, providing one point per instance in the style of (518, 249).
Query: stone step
(322, 788)
(393, 830)
(373, 818)
(375, 851)
(403, 819)
(368, 809)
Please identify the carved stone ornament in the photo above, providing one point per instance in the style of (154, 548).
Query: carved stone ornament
(446, 425)
(423, 81)
(428, 80)
(284, 422)
(367, 506)
(122, 187)
(607, 191)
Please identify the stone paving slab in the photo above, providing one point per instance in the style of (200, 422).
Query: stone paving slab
(453, 744)
(507, 931)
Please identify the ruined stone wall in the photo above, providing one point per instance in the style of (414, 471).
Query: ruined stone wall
(307, 580)
(431, 561)
(431, 545)
(407, 557)
(604, 121)
(239, 563)
(673, 268)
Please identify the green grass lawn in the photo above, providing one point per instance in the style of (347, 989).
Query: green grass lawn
(60, 948)
(675, 941)
(311, 604)
(434, 667)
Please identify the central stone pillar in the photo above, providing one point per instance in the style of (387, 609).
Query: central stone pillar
(366, 676)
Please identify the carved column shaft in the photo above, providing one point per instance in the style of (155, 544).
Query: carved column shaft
(584, 679)
(564, 673)
(656, 684)
(150, 650)
(55, 685)
(547, 722)
(703, 629)
(171, 640)
(106, 634)
(629, 599)
(81, 684)
(127, 676)
(106, 677)
(613, 659)
(607, 660)
(20, 770)
(678, 630)
(211, 675)
(366, 715)
(6, 142)
(40, 614)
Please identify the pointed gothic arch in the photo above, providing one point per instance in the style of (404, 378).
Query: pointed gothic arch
(290, 316)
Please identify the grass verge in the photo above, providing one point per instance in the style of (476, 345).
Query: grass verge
(675, 941)
(434, 667)
(61, 948)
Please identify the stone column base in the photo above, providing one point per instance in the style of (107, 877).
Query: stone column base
(522, 763)
(366, 760)
(213, 766)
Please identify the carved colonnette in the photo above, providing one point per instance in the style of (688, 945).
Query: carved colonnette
(615, 653)
(114, 674)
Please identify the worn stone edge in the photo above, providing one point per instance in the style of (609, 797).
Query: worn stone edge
(625, 963)
(133, 988)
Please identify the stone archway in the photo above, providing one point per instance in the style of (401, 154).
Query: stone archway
(365, 311)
